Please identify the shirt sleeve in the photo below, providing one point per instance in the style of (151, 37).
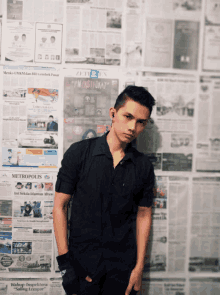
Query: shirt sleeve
(147, 193)
(67, 176)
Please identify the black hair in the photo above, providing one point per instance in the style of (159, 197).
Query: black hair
(136, 93)
(51, 116)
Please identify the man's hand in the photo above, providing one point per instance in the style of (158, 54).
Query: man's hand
(135, 280)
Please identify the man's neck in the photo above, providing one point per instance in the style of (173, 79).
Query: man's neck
(115, 145)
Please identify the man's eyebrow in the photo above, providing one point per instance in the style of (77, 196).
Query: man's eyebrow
(138, 119)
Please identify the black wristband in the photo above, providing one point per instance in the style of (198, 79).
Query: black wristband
(62, 259)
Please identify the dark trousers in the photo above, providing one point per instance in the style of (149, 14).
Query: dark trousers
(109, 279)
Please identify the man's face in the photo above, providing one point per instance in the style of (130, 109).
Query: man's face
(131, 118)
(23, 38)
(52, 39)
(50, 119)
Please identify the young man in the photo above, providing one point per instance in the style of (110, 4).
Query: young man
(113, 192)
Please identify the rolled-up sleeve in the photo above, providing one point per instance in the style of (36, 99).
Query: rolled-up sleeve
(68, 174)
(147, 193)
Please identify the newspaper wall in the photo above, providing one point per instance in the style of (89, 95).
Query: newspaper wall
(62, 65)
(31, 104)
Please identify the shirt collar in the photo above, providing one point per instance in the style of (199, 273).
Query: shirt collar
(102, 147)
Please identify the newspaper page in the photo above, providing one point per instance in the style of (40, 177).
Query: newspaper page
(178, 223)
(205, 285)
(19, 42)
(208, 126)
(48, 44)
(204, 244)
(133, 33)
(26, 236)
(170, 134)
(164, 286)
(31, 107)
(24, 286)
(156, 256)
(211, 47)
(170, 223)
(33, 31)
(88, 96)
(94, 32)
(35, 10)
(172, 34)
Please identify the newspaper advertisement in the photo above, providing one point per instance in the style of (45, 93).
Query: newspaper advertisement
(164, 286)
(134, 18)
(158, 43)
(48, 43)
(26, 236)
(88, 96)
(31, 107)
(172, 34)
(208, 130)
(19, 42)
(204, 249)
(94, 32)
(170, 133)
(205, 285)
(35, 10)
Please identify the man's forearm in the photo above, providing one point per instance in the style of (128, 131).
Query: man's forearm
(143, 226)
(60, 229)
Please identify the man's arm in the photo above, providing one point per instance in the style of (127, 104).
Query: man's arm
(143, 226)
(61, 201)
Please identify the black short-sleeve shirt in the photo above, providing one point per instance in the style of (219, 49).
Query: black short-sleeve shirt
(105, 199)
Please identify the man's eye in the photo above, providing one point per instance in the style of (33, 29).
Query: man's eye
(127, 116)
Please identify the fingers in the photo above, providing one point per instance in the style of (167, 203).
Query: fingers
(88, 279)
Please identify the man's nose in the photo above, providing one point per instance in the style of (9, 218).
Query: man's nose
(132, 125)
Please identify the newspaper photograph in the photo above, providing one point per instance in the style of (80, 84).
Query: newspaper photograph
(48, 46)
(205, 285)
(165, 286)
(94, 33)
(31, 106)
(204, 250)
(48, 10)
(20, 41)
(86, 103)
(208, 134)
